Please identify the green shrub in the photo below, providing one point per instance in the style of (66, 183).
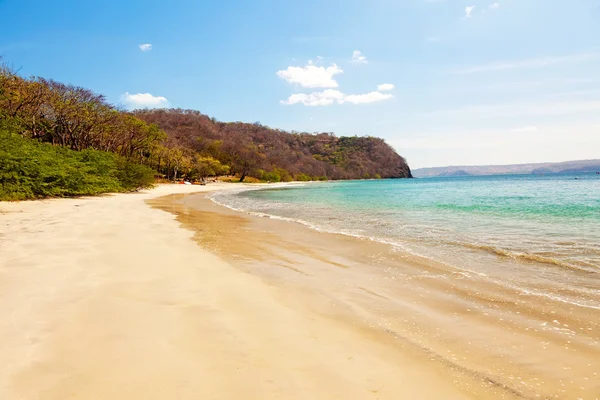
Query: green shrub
(134, 176)
(284, 175)
(259, 174)
(303, 177)
(271, 177)
(30, 169)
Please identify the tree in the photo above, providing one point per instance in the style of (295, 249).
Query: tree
(172, 141)
(316, 155)
(137, 137)
(204, 167)
(245, 159)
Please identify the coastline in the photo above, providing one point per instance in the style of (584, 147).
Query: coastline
(494, 340)
(107, 297)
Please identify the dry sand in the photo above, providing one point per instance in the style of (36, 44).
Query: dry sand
(108, 298)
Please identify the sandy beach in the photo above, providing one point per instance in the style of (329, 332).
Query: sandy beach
(109, 298)
(490, 339)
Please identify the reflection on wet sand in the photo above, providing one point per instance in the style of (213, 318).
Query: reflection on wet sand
(488, 338)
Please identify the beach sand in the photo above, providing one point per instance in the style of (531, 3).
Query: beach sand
(490, 339)
(109, 298)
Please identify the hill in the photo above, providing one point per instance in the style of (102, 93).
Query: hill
(263, 152)
(81, 144)
(536, 168)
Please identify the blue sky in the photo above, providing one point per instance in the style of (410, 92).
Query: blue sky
(445, 82)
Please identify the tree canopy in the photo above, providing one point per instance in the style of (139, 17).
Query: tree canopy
(179, 143)
(249, 148)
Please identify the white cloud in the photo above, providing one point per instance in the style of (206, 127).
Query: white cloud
(531, 63)
(494, 5)
(145, 47)
(323, 98)
(311, 75)
(315, 76)
(331, 96)
(371, 97)
(384, 87)
(358, 58)
(469, 11)
(144, 100)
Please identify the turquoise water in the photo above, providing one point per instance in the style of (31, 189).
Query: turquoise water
(530, 230)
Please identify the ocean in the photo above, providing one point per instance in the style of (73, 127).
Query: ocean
(537, 234)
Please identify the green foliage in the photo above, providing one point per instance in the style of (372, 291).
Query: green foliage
(203, 167)
(78, 119)
(265, 176)
(303, 177)
(271, 177)
(30, 169)
(131, 175)
(252, 149)
(118, 147)
(284, 175)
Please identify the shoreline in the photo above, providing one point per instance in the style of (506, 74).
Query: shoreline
(106, 297)
(529, 334)
(424, 255)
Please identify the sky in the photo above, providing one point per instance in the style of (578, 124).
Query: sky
(445, 82)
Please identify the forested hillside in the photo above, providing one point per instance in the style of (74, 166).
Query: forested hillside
(263, 152)
(174, 144)
(61, 140)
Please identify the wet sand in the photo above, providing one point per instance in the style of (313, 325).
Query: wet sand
(108, 298)
(485, 339)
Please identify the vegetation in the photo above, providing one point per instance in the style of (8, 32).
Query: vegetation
(30, 169)
(63, 140)
(256, 150)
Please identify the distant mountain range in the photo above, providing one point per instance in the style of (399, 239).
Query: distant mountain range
(538, 168)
